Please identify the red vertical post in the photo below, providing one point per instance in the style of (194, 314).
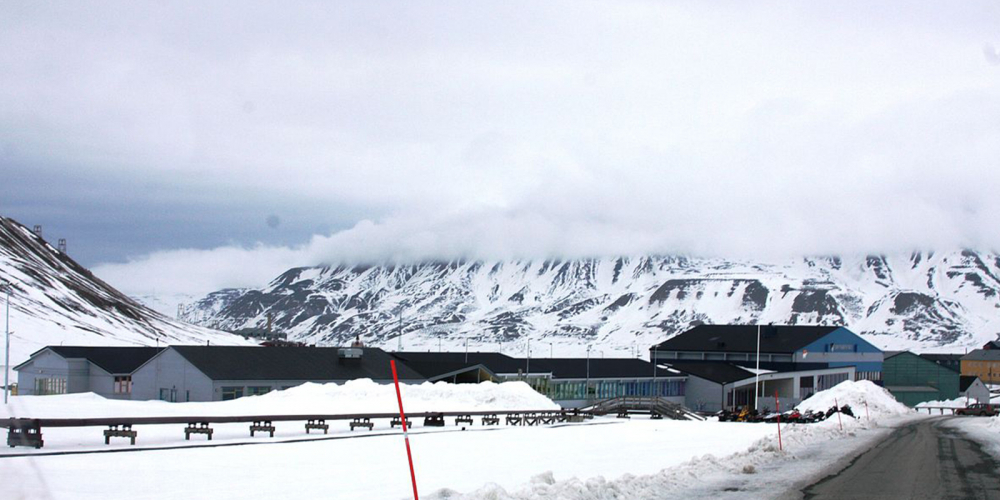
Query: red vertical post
(406, 436)
(777, 406)
(839, 421)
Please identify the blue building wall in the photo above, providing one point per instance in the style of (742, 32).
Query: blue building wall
(843, 347)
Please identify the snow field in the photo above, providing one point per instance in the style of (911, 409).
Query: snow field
(605, 458)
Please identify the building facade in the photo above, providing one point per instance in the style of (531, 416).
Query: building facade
(913, 379)
(983, 363)
(779, 348)
(106, 371)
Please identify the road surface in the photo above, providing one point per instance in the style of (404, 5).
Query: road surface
(922, 460)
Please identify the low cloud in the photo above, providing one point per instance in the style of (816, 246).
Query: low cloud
(991, 54)
(562, 129)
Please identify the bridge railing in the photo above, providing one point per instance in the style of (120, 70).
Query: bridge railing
(28, 431)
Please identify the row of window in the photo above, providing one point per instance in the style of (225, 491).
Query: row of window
(46, 386)
(229, 393)
(605, 389)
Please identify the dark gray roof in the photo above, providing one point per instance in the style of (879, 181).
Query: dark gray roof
(610, 368)
(291, 363)
(494, 361)
(715, 371)
(114, 360)
(743, 338)
(964, 381)
(983, 355)
(432, 363)
(993, 344)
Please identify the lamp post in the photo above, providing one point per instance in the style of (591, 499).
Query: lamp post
(586, 386)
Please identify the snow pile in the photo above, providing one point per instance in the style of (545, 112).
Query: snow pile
(357, 396)
(804, 439)
(880, 402)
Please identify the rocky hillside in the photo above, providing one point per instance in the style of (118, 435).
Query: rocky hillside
(56, 301)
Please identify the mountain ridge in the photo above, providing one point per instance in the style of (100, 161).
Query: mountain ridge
(923, 301)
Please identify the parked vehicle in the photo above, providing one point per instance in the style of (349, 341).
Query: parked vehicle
(980, 409)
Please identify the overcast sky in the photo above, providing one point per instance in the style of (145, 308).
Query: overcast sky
(186, 147)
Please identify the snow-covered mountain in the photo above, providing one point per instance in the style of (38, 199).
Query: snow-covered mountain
(56, 301)
(935, 301)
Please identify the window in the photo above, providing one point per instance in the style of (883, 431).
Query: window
(123, 384)
(257, 391)
(231, 393)
(46, 386)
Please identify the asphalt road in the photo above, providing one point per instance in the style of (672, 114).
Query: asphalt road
(922, 460)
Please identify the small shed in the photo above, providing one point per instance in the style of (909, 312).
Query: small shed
(973, 389)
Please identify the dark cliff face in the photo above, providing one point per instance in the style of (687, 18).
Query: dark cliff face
(933, 299)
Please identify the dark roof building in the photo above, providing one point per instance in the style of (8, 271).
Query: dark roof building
(743, 338)
(782, 348)
(213, 373)
(983, 363)
(292, 363)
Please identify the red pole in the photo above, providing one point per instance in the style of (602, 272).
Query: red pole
(839, 422)
(777, 406)
(406, 436)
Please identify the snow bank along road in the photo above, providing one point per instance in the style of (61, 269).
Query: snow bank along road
(920, 460)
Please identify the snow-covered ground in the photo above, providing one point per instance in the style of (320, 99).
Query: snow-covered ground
(603, 458)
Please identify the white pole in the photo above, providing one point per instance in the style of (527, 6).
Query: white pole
(756, 377)
(6, 356)
(654, 372)
(527, 365)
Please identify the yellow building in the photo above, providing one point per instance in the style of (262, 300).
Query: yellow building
(984, 364)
